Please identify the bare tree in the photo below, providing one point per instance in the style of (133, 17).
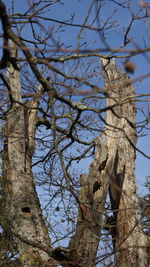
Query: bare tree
(130, 243)
(56, 115)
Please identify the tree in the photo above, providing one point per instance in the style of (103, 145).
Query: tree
(55, 115)
(144, 202)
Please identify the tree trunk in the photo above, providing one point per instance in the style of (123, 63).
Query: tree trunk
(94, 188)
(22, 204)
(92, 198)
(129, 241)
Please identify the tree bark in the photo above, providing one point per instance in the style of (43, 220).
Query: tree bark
(22, 204)
(130, 243)
(92, 198)
(94, 189)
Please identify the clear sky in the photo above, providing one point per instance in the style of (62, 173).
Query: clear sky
(139, 36)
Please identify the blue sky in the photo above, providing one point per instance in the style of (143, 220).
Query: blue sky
(114, 37)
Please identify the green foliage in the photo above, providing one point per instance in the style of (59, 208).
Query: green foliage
(144, 203)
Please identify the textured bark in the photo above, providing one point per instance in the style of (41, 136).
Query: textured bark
(113, 169)
(94, 188)
(129, 241)
(92, 198)
(22, 204)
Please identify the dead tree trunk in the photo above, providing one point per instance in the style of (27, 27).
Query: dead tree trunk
(129, 241)
(22, 204)
(94, 187)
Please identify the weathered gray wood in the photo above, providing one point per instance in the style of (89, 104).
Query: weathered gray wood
(112, 169)
(92, 198)
(130, 243)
